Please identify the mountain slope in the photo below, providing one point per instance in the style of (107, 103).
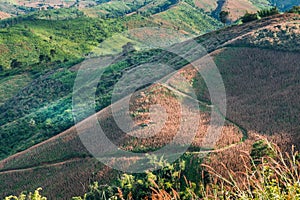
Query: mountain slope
(4, 15)
(42, 47)
(110, 8)
(260, 75)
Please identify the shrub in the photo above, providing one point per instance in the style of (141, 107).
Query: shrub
(224, 16)
(44, 58)
(259, 150)
(15, 64)
(31, 196)
(273, 177)
(268, 174)
(248, 17)
(167, 183)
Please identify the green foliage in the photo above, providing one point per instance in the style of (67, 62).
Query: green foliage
(160, 6)
(58, 14)
(114, 9)
(249, 17)
(170, 178)
(185, 17)
(261, 149)
(268, 12)
(29, 40)
(224, 16)
(275, 177)
(295, 9)
(31, 196)
(190, 2)
(43, 50)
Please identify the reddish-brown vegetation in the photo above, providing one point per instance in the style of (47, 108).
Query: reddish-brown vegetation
(4, 15)
(262, 91)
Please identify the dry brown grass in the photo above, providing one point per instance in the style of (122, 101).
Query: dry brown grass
(238, 8)
(231, 158)
(59, 181)
(206, 5)
(217, 39)
(4, 15)
(248, 74)
(262, 94)
(63, 157)
(276, 176)
(262, 90)
(281, 36)
(35, 4)
(140, 109)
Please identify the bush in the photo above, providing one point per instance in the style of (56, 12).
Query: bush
(167, 183)
(15, 64)
(248, 17)
(259, 150)
(31, 196)
(224, 16)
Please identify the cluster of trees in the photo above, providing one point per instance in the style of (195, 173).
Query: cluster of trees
(295, 9)
(248, 17)
(173, 179)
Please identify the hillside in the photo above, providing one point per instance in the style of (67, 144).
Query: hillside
(11, 8)
(38, 51)
(108, 8)
(4, 15)
(258, 63)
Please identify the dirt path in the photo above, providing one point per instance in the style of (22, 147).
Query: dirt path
(243, 130)
(40, 166)
(241, 31)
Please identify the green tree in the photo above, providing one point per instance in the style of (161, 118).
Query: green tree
(295, 9)
(15, 64)
(44, 58)
(224, 16)
(268, 12)
(168, 179)
(128, 48)
(248, 17)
